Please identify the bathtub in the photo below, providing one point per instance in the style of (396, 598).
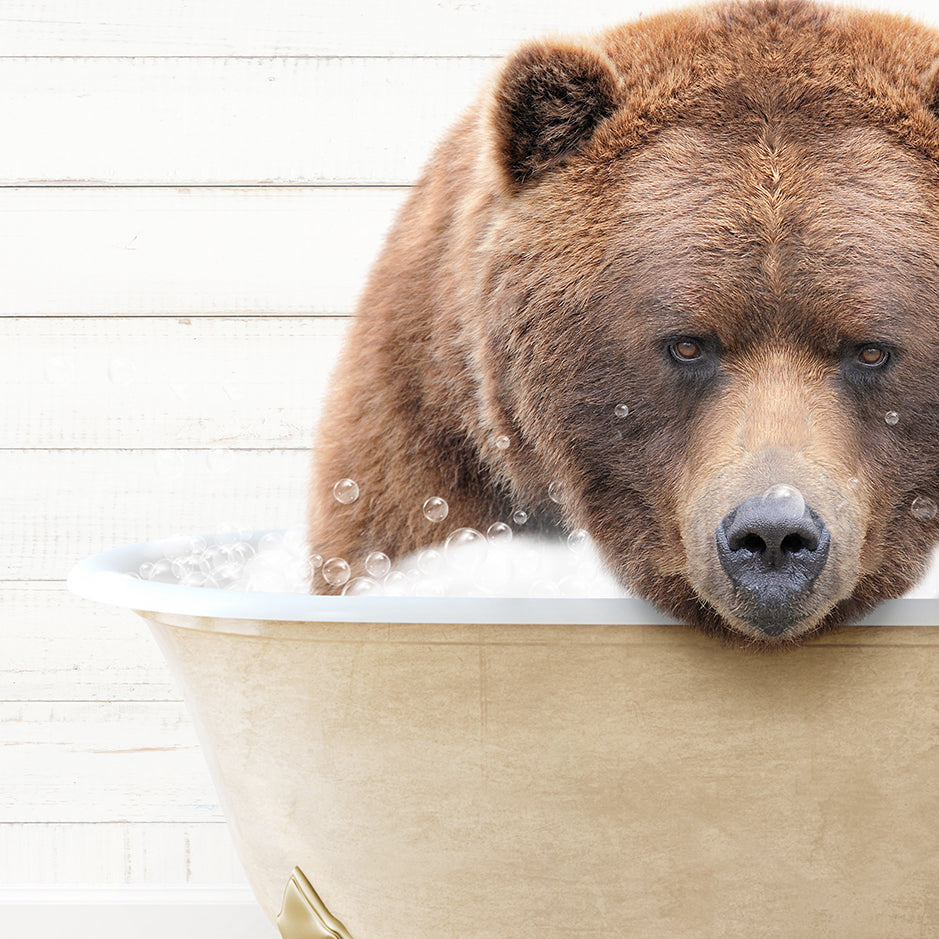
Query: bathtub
(553, 768)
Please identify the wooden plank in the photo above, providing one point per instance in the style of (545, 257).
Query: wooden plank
(79, 761)
(295, 27)
(177, 121)
(153, 912)
(55, 646)
(118, 853)
(63, 505)
(127, 382)
(115, 251)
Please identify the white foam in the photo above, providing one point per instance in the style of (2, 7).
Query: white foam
(524, 566)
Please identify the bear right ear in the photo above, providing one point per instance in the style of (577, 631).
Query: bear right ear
(549, 100)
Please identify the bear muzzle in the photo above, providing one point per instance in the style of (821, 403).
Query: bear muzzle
(772, 548)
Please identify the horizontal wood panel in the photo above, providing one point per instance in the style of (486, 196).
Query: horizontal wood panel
(295, 27)
(63, 505)
(122, 251)
(55, 646)
(84, 761)
(129, 382)
(118, 853)
(231, 121)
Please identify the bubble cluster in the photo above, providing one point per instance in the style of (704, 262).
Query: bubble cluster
(467, 563)
(277, 562)
(435, 509)
(346, 491)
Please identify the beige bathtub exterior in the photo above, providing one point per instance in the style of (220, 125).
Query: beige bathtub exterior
(591, 781)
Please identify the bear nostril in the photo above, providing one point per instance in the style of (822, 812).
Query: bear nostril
(752, 543)
(795, 542)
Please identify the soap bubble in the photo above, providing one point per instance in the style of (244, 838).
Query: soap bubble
(891, 417)
(121, 371)
(162, 572)
(197, 544)
(336, 571)
(185, 566)
(269, 541)
(346, 491)
(211, 558)
(498, 532)
(502, 442)
(577, 539)
(239, 553)
(226, 575)
(360, 587)
(295, 539)
(220, 460)
(621, 410)
(396, 584)
(790, 499)
(378, 564)
(430, 562)
(59, 370)
(556, 492)
(436, 509)
(520, 516)
(169, 464)
(461, 539)
(923, 508)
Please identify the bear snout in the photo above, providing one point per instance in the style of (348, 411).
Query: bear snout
(772, 548)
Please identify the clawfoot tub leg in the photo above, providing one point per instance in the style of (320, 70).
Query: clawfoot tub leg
(304, 915)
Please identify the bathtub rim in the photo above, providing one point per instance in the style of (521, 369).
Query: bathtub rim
(105, 578)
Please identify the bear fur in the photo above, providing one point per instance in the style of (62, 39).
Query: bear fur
(753, 184)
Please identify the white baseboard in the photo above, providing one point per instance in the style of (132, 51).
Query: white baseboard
(133, 912)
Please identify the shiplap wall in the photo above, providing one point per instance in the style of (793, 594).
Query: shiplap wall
(190, 196)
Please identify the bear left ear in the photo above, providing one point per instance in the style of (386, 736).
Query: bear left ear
(548, 103)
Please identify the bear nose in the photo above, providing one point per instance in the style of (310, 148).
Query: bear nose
(773, 550)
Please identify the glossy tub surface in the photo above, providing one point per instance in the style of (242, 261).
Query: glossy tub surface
(553, 768)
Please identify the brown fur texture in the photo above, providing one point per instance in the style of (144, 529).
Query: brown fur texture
(760, 177)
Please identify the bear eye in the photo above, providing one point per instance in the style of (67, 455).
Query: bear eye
(686, 350)
(872, 356)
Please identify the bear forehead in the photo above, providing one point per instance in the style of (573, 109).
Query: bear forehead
(827, 233)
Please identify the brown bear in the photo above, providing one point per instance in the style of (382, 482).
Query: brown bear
(723, 221)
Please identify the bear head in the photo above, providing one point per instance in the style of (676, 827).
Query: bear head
(690, 269)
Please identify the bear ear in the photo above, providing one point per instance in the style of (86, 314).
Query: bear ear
(548, 102)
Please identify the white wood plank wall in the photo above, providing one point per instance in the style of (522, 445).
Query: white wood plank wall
(190, 197)
(191, 192)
